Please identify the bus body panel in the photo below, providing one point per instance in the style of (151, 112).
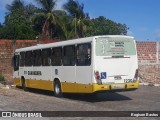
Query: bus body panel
(68, 77)
(124, 68)
(84, 75)
(115, 68)
(80, 79)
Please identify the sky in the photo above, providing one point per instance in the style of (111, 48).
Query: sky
(141, 16)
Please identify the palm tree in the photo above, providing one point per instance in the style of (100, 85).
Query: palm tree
(75, 9)
(16, 5)
(47, 12)
(64, 28)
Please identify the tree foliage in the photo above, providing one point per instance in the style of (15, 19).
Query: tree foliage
(27, 21)
(46, 16)
(103, 26)
(76, 10)
(17, 23)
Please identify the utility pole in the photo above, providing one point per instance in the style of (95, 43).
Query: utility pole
(157, 52)
(14, 46)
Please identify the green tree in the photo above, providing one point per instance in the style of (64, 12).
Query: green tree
(16, 27)
(16, 5)
(17, 23)
(64, 29)
(76, 10)
(103, 26)
(27, 21)
(1, 25)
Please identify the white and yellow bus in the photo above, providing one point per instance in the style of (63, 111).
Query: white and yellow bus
(84, 65)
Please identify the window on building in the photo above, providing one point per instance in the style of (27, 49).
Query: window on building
(46, 57)
(69, 55)
(84, 54)
(37, 58)
(56, 56)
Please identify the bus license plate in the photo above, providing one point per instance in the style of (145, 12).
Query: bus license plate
(117, 77)
(121, 86)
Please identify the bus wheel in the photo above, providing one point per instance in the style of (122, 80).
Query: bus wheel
(57, 89)
(24, 85)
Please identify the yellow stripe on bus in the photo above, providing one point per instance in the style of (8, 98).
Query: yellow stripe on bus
(72, 87)
(40, 84)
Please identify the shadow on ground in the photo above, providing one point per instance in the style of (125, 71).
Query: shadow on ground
(98, 97)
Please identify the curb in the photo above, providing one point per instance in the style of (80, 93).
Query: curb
(149, 84)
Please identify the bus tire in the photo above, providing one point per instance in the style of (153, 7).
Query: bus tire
(57, 89)
(24, 85)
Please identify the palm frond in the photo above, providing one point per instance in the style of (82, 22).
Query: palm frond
(15, 5)
(47, 5)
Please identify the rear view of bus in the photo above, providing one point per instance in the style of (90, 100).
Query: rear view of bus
(115, 63)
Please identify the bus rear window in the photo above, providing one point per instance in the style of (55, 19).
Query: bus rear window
(117, 46)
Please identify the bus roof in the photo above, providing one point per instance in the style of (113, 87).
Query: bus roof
(64, 43)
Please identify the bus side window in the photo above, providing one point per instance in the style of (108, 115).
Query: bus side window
(16, 62)
(37, 58)
(84, 54)
(69, 55)
(28, 58)
(46, 56)
(56, 56)
(22, 59)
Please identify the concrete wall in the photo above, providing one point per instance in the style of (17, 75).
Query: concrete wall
(149, 73)
(148, 57)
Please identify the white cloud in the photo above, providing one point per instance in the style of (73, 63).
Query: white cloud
(156, 34)
(60, 3)
(143, 29)
(130, 33)
(143, 33)
(3, 4)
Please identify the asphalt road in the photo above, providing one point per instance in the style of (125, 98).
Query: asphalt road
(146, 98)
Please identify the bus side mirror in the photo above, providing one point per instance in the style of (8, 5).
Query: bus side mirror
(15, 62)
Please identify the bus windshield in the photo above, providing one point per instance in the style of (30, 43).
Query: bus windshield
(115, 46)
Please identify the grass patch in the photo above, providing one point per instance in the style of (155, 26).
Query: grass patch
(2, 80)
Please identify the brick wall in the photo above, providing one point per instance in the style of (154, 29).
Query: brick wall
(147, 56)
(7, 48)
(149, 62)
(146, 52)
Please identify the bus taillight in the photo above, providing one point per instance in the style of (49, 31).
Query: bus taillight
(97, 77)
